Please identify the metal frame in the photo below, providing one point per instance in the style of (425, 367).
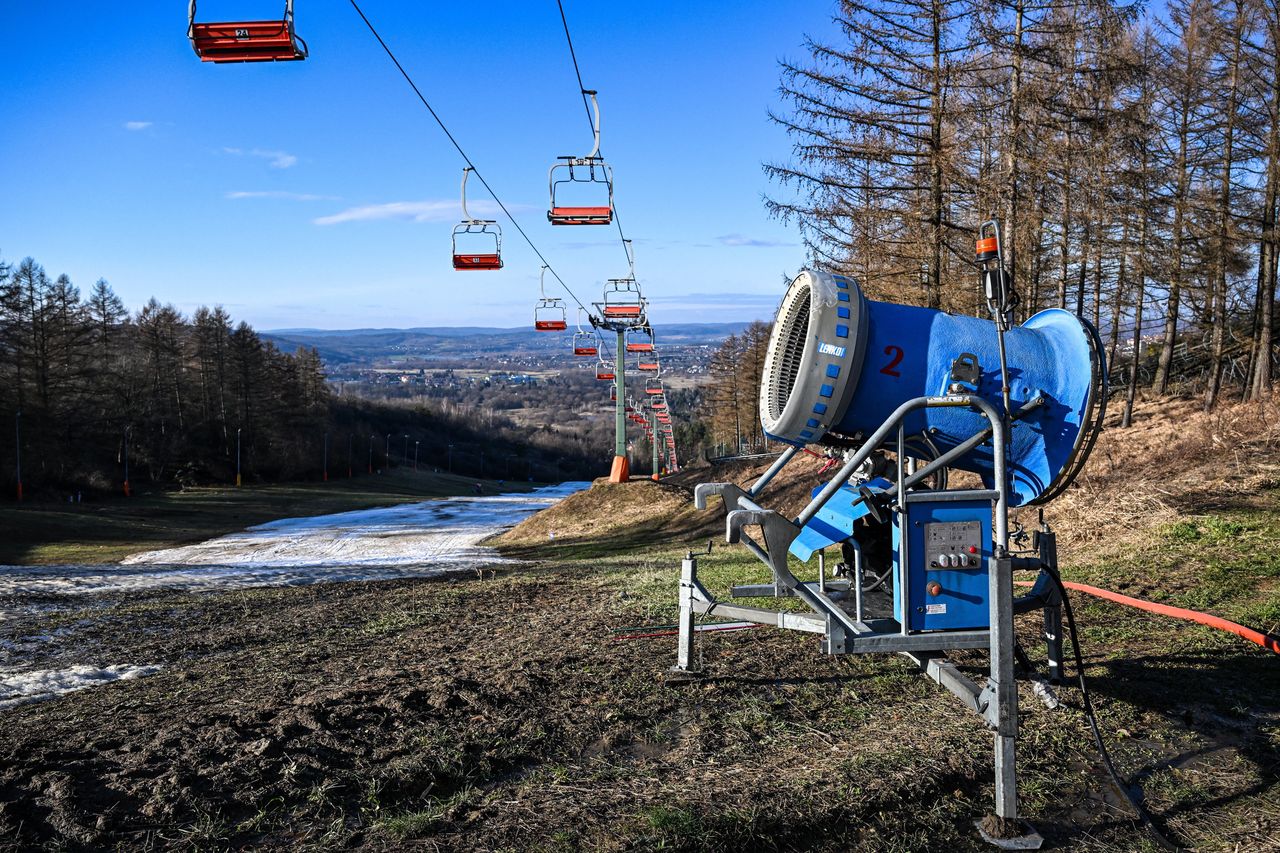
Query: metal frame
(471, 225)
(549, 304)
(300, 50)
(844, 633)
(591, 163)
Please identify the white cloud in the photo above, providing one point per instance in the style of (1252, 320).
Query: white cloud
(137, 125)
(412, 211)
(283, 194)
(276, 159)
(752, 242)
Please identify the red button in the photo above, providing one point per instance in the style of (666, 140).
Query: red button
(934, 588)
(973, 549)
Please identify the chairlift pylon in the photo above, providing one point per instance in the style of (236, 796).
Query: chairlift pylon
(590, 170)
(482, 234)
(549, 313)
(246, 41)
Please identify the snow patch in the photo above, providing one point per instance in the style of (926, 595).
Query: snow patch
(410, 540)
(41, 684)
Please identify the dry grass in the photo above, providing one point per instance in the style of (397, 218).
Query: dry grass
(1175, 460)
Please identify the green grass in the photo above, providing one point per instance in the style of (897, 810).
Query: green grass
(104, 530)
(1226, 564)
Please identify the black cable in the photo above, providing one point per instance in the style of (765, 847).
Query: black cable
(1143, 815)
(617, 220)
(465, 158)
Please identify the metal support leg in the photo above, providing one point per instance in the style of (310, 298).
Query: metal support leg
(1001, 694)
(1004, 689)
(1048, 543)
(1053, 641)
(686, 669)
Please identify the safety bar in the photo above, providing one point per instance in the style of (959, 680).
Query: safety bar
(997, 431)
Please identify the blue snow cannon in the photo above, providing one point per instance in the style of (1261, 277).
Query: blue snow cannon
(839, 364)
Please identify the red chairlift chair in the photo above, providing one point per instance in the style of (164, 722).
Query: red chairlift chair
(246, 41)
(605, 373)
(548, 316)
(549, 313)
(585, 343)
(481, 245)
(640, 339)
(653, 386)
(622, 301)
(578, 172)
(649, 363)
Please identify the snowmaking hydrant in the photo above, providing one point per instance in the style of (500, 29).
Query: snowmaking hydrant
(908, 395)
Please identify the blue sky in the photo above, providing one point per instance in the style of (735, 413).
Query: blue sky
(321, 194)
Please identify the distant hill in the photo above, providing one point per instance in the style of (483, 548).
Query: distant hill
(346, 346)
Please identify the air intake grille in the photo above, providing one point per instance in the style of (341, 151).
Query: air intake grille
(789, 341)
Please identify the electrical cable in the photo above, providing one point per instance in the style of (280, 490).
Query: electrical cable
(1143, 815)
(463, 153)
(1267, 641)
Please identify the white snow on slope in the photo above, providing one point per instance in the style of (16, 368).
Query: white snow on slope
(410, 540)
(38, 685)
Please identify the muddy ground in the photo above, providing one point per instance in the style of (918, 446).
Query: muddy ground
(502, 714)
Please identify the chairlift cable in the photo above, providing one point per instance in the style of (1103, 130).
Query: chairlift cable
(582, 89)
(408, 79)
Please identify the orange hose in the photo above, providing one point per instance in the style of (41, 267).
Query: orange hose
(1267, 641)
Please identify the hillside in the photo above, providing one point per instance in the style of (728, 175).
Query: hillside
(526, 700)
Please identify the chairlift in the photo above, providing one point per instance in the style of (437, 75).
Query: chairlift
(246, 41)
(549, 313)
(605, 373)
(653, 386)
(649, 363)
(640, 339)
(622, 301)
(481, 244)
(590, 172)
(585, 343)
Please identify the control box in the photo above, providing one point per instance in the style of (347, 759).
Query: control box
(947, 547)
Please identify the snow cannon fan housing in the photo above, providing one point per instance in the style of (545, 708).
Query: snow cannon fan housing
(841, 363)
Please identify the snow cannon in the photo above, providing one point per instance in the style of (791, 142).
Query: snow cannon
(839, 364)
(909, 559)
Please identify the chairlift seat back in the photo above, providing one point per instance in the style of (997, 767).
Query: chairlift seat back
(477, 262)
(247, 41)
(580, 215)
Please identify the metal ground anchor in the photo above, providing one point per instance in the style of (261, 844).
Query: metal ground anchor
(686, 669)
(1028, 840)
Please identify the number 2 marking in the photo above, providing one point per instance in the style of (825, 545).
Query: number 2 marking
(889, 369)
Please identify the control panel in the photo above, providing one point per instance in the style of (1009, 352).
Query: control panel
(953, 544)
(946, 544)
